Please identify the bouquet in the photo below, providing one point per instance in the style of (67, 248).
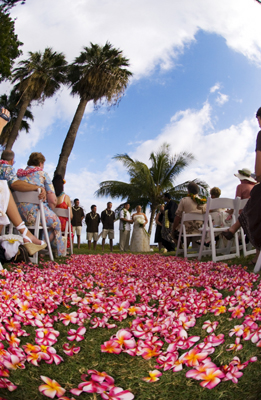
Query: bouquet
(141, 221)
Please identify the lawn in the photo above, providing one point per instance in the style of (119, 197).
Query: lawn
(127, 315)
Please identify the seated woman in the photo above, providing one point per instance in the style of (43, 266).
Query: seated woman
(63, 201)
(190, 204)
(34, 173)
(9, 209)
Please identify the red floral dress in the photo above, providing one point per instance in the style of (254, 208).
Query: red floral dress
(63, 220)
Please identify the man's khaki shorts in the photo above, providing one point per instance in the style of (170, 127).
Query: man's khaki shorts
(109, 232)
(92, 235)
(78, 230)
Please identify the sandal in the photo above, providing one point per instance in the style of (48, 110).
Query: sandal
(228, 235)
(31, 247)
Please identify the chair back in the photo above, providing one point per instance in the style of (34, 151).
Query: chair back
(33, 198)
(26, 197)
(66, 213)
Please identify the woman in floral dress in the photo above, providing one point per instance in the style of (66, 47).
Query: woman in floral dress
(35, 174)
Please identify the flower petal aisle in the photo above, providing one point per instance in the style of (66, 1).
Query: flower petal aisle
(138, 326)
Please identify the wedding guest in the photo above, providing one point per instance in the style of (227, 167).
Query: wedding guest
(78, 216)
(108, 218)
(9, 209)
(125, 226)
(250, 217)
(92, 220)
(167, 222)
(35, 174)
(7, 173)
(190, 204)
(159, 218)
(246, 183)
(63, 202)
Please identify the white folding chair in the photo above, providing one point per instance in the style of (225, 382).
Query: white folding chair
(62, 212)
(183, 234)
(33, 198)
(213, 204)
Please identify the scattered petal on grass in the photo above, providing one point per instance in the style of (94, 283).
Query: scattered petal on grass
(51, 388)
(153, 376)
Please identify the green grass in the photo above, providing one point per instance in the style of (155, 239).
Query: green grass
(128, 371)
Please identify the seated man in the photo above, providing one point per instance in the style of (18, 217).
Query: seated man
(7, 173)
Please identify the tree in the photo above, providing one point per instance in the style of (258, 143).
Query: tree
(9, 48)
(97, 74)
(10, 103)
(39, 77)
(147, 184)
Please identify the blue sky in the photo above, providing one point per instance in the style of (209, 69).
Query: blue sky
(196, 85)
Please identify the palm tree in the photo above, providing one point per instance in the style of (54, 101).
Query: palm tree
(97, 74)
(147, 184)
(38, 77)
(10, 103)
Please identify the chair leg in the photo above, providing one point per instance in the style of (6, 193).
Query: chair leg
(258, 264)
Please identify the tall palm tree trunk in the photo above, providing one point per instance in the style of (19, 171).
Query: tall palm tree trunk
(152, 216)
(70, 139)
(14, 132)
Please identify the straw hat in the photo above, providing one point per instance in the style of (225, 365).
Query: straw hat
(245, 174)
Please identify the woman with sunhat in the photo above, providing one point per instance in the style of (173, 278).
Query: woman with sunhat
(247, 182)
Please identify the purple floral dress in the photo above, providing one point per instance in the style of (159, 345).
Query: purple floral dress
(28, 211)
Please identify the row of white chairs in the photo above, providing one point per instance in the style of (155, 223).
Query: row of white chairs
(228, 250)
(40, 223)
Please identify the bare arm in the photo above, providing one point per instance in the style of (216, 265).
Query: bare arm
(3, 122)
(22, 186)
(52, 200)
(68, 202)
(176, 222)
(157, 220)
(258, 166)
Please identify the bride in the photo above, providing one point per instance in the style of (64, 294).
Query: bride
(140, 240)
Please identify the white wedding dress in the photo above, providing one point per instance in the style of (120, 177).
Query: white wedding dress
(140, 240)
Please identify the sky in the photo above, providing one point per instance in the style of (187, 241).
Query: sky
(196, 85)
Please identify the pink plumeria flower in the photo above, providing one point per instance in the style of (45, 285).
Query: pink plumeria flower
(153, 376)
(69, 318)
(70, 351)
(13, 363)
(211, 377)
(235, 347)
(193, 357)
(51, 388)
(76, 334)
(125, 339)
(6, 384)
(215, 340)
(233, 374)
(237, 330)
(117, 393)
(111, 346)
(210, 326)
(100, 376)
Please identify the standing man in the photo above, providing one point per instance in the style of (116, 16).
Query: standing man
(125, 224)
(107, 219)
(77, 218)
(167, 223)
(92, 220)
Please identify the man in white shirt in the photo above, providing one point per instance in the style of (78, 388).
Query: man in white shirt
(125, 224)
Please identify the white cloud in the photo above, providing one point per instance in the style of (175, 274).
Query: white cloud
(219, 154)
(150, 33)
(222, 99)
(214, 88)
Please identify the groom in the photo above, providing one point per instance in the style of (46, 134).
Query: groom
(125, 223)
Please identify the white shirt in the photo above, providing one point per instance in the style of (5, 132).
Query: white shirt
(125, 214)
